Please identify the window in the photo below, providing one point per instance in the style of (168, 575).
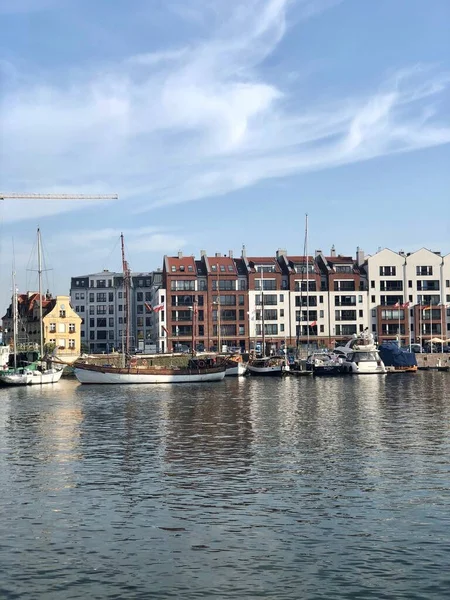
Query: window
(281, 312)
(222, 268)
(213, 267)
(361, 313)
(372, 299)
(410, 283)
(190, 268)
(360, 299)
(242, 284)
(101, 322)
(101, 283)
(91, 296)
(320, 299)
(173, 268)
(282, 327)
(119, 295)
(424, 270)
(322, 328)
(101, 335)
(281, 297)
(343, 269)
(387, 271)
(230, 268)
(181, 267)
(111, 334)
(52, 328)
(81, 308)
(111, 309)
(77, 296)
(71, 327)
(447, 283)
(111, 322)
(101, 296)
(267, 284)
(72, 344)
(91, 322)
(372, 284)
(110, 296)
(241, 300)
(62, 314)
(101, 309)
(321, 314)
(182, 285)
(224, 285)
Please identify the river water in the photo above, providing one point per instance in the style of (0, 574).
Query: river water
(251, 488)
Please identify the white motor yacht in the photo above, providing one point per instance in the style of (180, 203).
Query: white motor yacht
(360, 356)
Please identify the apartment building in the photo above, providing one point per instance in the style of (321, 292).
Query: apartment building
(99, 298)
(206, 303)
(408, 294)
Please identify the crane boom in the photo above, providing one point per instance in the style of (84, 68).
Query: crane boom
(31, 196)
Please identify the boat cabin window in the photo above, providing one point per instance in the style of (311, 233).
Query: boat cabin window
(358, 357)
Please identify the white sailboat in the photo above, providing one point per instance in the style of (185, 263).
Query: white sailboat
(40, 372)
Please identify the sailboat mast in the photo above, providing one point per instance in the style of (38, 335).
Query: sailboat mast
(41, 325)
(14, 307)
(307, 283)
(126, 286)
(262, 314)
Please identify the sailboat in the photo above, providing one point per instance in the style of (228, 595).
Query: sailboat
(198, 370)
(39, 372)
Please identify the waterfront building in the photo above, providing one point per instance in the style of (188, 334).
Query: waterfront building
(407, 295)
(99, 298)
(206, 303)
(61, 325)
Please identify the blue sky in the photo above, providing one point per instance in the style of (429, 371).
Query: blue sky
(221, 123)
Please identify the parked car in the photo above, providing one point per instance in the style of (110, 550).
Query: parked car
(182, 348)
(417, 348)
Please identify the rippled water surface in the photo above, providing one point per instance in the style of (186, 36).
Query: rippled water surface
(250, 488)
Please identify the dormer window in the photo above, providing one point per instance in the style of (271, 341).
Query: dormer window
(230, 268)
(174, 268)
(222, 268)
(190, 268)
(213, 267)
(181, 267)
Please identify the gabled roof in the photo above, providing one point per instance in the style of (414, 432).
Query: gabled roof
(254, 261)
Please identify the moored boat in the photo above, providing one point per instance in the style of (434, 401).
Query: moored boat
(397, 360)
(197, 371)
(360, 356)
(324, 364)
(271, 365)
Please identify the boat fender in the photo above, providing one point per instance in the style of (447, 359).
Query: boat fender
(201, 364)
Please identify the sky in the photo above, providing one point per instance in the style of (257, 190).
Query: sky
(220, 124)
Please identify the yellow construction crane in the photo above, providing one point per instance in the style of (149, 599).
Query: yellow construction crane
(30, 196)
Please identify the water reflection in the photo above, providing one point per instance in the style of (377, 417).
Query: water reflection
(286, 488)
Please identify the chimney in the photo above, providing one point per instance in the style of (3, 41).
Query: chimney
(202, 252)
(218, 255)
(180, 254)
(281, 252)
(333, 251)
(230, 253)
(359, 256)
(244, 251)
(318, 253)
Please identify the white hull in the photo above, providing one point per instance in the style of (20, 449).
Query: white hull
(366, 369)
(87, 376)
(32, 377)
(240, 369)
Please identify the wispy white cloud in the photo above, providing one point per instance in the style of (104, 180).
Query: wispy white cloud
(203, 120)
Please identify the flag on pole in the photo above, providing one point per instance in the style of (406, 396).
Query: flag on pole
(406, 305)
(148, 307)
(313, 324)
(158, 307)
(164, 329)
(397, 305)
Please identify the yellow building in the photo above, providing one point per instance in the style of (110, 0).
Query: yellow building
(62, 325)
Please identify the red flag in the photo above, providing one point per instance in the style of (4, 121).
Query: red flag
(397, 305)
(148, 307)
(158, 307)
(313, 324)
(405, 305)
(164, 329)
